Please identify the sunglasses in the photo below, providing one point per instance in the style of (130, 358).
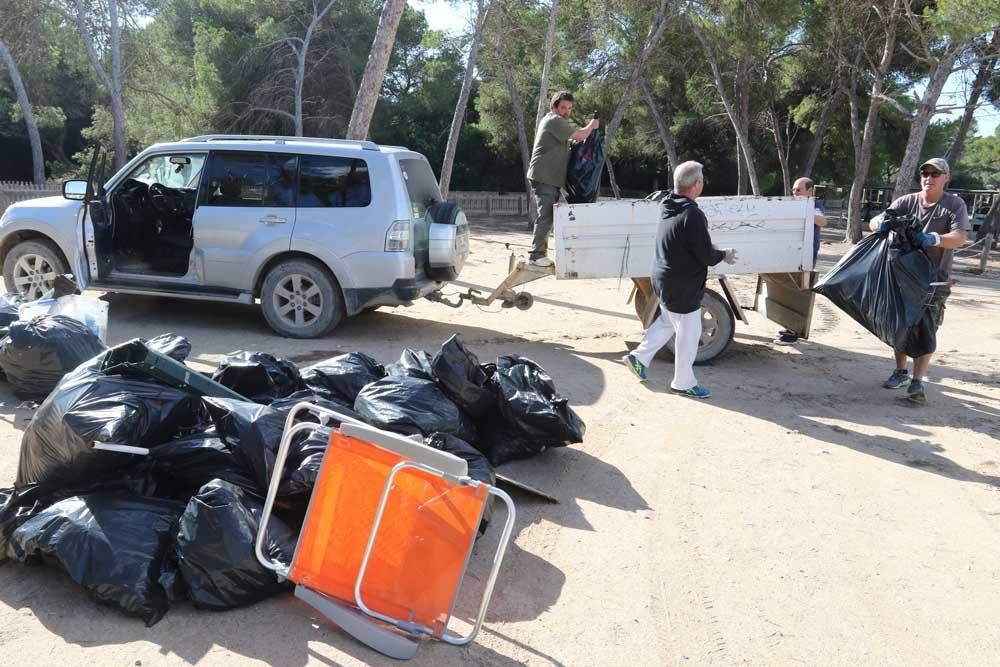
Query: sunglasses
(931, 174)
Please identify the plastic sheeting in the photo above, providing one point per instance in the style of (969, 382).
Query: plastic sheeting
(215, 548)
(883, 283)
(410, 405)
(343, 376)
(37, 354)
(114, 546)
(583, 173)
(261, 377)
(462, 379)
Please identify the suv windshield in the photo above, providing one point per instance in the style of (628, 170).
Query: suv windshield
(173, 171)
(420, 184)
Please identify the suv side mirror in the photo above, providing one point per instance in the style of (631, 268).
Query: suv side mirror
(76, 190)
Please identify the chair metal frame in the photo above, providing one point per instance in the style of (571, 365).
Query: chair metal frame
(359, 623)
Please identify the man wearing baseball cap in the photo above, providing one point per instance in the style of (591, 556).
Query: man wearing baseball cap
(945, 222)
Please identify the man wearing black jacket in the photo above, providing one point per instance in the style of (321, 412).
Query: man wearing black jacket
(684, 251)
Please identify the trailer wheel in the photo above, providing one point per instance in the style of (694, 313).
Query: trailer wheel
(718, 324)
(524, 301)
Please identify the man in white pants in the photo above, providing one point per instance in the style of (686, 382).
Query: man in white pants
(684, 251)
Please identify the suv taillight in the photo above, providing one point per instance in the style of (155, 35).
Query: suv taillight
(397, 239)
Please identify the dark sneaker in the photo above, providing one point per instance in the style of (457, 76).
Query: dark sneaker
(635, 366)
(915, 392)
(696, 391)
(786, 338)
(899, 378)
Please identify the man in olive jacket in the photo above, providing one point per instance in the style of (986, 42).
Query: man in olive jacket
(547, 169)
(684, 251)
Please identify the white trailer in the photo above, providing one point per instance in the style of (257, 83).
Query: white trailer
(773, 238)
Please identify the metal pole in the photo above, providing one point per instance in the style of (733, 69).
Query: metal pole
(986, 253)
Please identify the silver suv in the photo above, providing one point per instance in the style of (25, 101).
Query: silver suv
(317, 229)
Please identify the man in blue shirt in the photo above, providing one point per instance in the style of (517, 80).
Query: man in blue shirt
(804, 187)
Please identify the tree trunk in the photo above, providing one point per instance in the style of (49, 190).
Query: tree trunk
(663, 128)
(522, 134)
(113, 82)
(780, 146)
(463, 98)
(940, 71)
(612, 180)
(863, 161)
(37, 157)
(543, 85)
(822, 125)
(986, 72)
(378, 60)
(302, 55)
(117, 103)
(652, 37)
(735, 115)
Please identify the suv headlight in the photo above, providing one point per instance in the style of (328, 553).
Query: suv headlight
(397, 239)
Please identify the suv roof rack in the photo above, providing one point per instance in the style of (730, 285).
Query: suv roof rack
(279, 139)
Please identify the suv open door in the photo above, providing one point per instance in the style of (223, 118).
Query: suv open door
(97, 223)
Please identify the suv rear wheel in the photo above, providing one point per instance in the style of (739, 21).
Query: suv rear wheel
(31, 267)
(300, 299)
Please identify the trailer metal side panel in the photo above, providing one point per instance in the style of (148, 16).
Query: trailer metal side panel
(615, 238)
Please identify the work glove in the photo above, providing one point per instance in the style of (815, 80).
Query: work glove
(730, 257)
(927, 239)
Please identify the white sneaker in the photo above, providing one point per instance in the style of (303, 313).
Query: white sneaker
(543, 262)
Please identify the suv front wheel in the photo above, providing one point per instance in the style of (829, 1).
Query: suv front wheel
(31, 267)
(300, 299)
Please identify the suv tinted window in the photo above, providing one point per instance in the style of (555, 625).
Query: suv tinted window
(249, 179)
(420, 184)
(333, 182)
(174, 171)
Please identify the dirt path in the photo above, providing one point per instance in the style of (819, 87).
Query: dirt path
(802, 516)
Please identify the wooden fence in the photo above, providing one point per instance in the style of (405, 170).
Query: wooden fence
(14, 191)
(491, 203)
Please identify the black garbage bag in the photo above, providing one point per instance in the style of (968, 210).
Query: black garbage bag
(17, 506)
(305, 458)
(215, 548)
(529, 401)
(112, 545)
(253, 434)
(883, 283)
(583, 173)
(8, 307)
(88, 406)
(479, 468)
(343, 376)
(462, 379)
(921, 339)
(38, 353)
(173, 345)
(259, 376)
(320, 400)
(183, 465)
(410, 405)
(501, 441)
(412, 363)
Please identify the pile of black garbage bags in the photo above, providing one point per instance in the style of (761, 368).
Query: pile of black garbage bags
(139, 531)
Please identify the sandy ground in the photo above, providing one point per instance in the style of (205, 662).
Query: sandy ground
(802, 516)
